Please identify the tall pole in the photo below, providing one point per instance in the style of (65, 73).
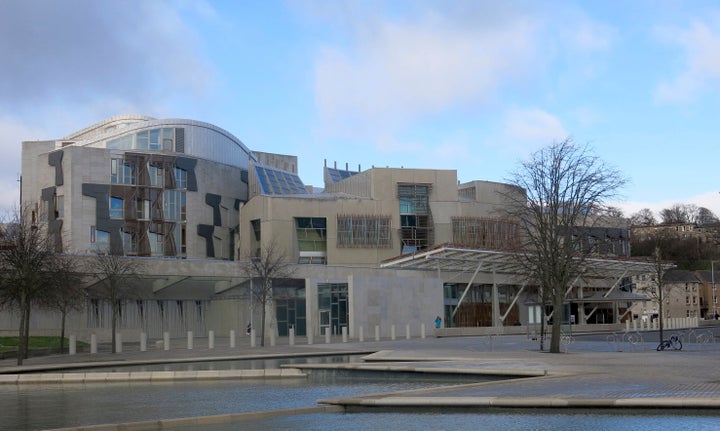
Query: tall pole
(712, 280)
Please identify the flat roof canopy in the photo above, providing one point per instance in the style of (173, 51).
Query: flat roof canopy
(449, 258)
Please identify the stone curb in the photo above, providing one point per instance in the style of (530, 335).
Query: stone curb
(148, 376)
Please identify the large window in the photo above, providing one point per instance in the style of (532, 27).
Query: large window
(363, 231)
(311, 233)
(157, 176)
(174, 205)
(180, 178)
(116, 207)
(415, 222)
(154, 139)
(485, 233)
(122, 172)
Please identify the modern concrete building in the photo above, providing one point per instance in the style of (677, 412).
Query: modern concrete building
(381, 248)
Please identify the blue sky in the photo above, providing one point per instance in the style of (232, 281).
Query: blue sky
(473, 85)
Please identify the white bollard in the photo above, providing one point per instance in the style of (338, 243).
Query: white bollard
(392, 332)
(93, 343)
(361, 335)
(327, 335)
(118, 343)
(72, 346)
(232, 338)
(291, 336)
(143, 342)
(407, 331)
(272, 338)
(310, 336)
(166, 340)
(627, 326)
(253, 342)
(422, 330)
(634, 324)
(211, 339)
(189, 340)
(344, 334)
(377, 332)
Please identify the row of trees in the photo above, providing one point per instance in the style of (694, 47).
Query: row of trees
(34, 275)
(676, 214)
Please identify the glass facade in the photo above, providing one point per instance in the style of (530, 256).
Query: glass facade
(162, 139)
(333, 307)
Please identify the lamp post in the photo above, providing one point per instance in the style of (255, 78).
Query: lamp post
(712, 281)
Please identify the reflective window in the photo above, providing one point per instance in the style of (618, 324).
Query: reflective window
(180, 178)
(122, 172)
(116, 207)
(174, 205)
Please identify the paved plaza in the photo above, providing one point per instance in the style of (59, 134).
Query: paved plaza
(594, 370)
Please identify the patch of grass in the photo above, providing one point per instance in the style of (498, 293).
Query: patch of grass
(9, 344)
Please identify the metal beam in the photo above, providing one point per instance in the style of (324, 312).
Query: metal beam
(164, 283)
(466, 290)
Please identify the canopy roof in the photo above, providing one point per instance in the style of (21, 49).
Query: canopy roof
(450, 258)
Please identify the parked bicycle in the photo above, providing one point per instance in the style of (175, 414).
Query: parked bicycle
(673, 343)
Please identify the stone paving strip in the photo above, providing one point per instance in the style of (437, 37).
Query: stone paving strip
(203, 421)
(148, 376)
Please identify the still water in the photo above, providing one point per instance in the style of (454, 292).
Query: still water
(29, 407)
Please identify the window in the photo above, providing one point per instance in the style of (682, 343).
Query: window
(155, 139)
(116, 207)
(99, 240)
(486, 233)
(364, 231)
(311, 234)
(59, 206)
(122, 172)
(156, 239)
(174, 205)
(415, 226)
(168, 138)
(130, 242)
(180, 178)
(157, 176)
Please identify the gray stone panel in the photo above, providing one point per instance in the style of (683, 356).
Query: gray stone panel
(189, 166)
(206, 231)
(213, 200)
(55, 160)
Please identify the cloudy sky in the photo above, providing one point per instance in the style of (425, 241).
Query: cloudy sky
(471, 85)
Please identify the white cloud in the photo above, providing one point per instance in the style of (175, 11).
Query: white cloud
(532, 128)
(400, 71)
(700, 43)
(13, 133)
(77, 51)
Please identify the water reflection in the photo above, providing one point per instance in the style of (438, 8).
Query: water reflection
(490, 419)
(243, 364)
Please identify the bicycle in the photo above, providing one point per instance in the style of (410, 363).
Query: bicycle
(673, 343)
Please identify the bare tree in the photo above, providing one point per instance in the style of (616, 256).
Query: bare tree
(68, 291)
(27, 258)
(706, 217)
(679, 213)
(644, 217)
(117, 282)
(657, 289)
(263, 268)
(565, 185)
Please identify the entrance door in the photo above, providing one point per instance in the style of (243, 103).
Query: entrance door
(324, 321)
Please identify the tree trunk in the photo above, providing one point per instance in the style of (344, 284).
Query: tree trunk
(557, 321)
(114, 326)
(23, 331)
(62, 332)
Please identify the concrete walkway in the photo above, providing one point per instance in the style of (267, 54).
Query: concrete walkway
(595, 371)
